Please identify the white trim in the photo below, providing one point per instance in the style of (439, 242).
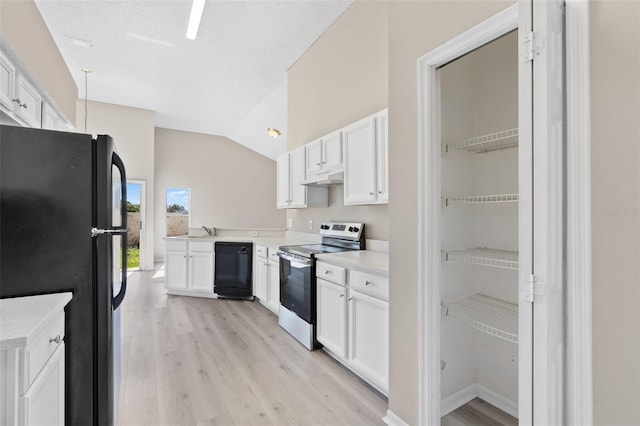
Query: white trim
(191, 293)
(429, 202)
(579, 374)
(476, 390)
(393, 419)
(144, 266)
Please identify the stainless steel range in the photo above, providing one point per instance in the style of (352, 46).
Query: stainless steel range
(298, 277)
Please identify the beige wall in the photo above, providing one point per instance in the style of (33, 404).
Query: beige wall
(615, 126)
(231, 186)
(132, 130)
(343, 77)
(415, 28)
(24, 29)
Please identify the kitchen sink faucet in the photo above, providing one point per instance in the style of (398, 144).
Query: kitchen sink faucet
(209, 230)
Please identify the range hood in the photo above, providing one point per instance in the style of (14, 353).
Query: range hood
(331, 178)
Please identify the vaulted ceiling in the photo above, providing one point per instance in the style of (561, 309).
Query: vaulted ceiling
(230, 81)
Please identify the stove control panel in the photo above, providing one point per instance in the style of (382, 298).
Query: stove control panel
(348, 230)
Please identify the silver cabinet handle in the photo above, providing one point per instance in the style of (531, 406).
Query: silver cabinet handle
(350, 299)
(379, 192)
(20, 104)
(327, 272)
(370, 193)
(317, 164)
(56, 339)
(342, 295)
(367, 283)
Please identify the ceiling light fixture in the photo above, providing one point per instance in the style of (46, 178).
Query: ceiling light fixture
(274, 133)
(80, 42)
(194, 20)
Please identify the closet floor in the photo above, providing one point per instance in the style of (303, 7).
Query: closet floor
(195, 361)
(478, 413)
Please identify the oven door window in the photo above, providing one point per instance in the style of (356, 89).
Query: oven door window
(295, 288)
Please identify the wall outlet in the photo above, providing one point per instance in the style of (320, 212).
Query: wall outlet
(253, 233)
(310, 224)
(290, 223)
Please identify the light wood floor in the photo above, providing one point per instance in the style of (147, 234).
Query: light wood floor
(193, 361)
(478, 413)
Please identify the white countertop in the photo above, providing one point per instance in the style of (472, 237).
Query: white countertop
(273, 242)
(21, 318)
(364, 260)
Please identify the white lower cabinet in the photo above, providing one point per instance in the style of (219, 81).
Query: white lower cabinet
(331, 305)
(267, 278)
(189, 268)
(32, 371)
(353, 321)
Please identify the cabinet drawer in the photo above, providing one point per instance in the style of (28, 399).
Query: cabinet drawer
(335, 274)
(201, 246)
(273, 255)
(374, 285)
(38, 353)
(176, 245)
(261, 251)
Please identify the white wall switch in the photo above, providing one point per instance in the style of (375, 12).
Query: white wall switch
(290, 224)
(310, 224)
(253, 233)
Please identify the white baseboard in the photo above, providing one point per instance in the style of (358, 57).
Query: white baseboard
(192, 293)
(477, 390)
(393, 420)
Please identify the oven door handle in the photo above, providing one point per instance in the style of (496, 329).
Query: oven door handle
(295, 262)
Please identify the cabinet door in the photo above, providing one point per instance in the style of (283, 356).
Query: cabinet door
(273, 298)
(43, 403)
(175, 270)
(297, 174)
(201, 271)
(382, 157)
(29, 105)
(360, 162)
(7, 79)
(313, 152)
(331, 317)
(332, 152)
(369, 338)
(262, 278)
(49, 117)
(284, 182)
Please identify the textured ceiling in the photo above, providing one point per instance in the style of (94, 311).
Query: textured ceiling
(230, 81)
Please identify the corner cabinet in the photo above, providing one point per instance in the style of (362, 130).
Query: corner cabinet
(290, 193)
(365, 153)
(32, 366)
(189, 268)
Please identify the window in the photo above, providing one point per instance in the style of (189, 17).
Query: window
(178, 219)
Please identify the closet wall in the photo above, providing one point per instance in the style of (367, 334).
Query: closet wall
(479, 96)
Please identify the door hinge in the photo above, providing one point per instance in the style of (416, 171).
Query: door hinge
(533, 287)
(532, 46)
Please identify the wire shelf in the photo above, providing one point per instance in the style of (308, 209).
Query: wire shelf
(484, 256)
(492, 142)
(482, 199)
(486, 314)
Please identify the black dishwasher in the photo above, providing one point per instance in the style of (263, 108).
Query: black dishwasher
(233, 270)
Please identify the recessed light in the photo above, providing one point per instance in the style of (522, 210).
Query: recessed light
(194, 19)
(80, 42)
(274, 133)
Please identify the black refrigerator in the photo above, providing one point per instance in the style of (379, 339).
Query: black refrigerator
(63, 222)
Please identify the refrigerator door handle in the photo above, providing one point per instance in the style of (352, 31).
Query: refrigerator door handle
(117, 161)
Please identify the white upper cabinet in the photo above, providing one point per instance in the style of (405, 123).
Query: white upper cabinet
(365, 160)
(28, 103)
(324, 155)
(50, 119)
(291, 170)
(7, 80)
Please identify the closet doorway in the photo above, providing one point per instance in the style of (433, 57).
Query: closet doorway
(492, 217)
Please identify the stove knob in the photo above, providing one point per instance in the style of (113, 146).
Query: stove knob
(356, 229)
(351, 229)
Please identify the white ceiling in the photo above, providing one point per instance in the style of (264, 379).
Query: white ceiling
(230, 81)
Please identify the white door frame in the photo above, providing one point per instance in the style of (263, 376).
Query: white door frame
(143, 219)
(578, 379)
